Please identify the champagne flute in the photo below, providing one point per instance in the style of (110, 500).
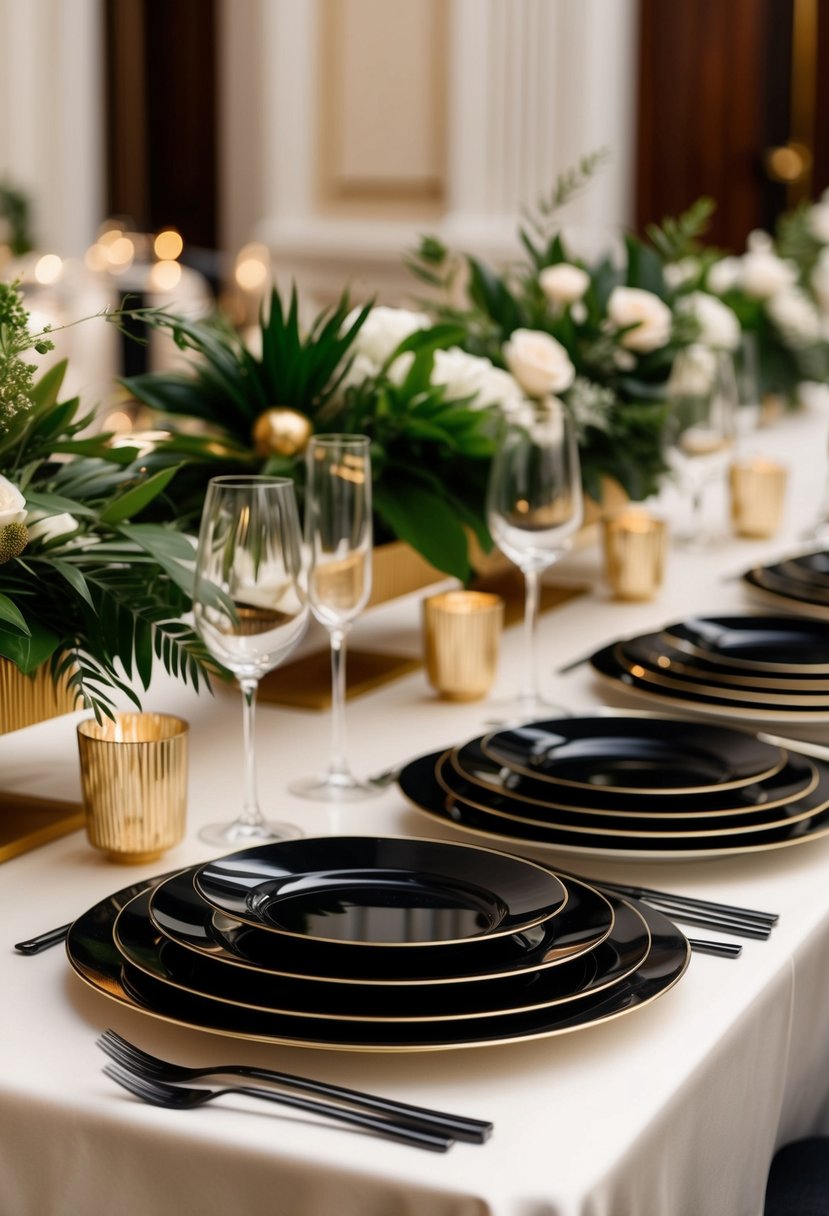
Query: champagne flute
(534, 509)
(338, 539)
(250, 610)
(700, 430)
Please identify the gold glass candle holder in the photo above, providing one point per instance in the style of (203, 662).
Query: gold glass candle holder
(758, 490)
(462, 634)
(134, 784)
(635, 548)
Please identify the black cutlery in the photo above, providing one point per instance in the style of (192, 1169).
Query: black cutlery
(184, 1097)
(152, 1068)
(52, 937)
(719, 949)
(692, 903)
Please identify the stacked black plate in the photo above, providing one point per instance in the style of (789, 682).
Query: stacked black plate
(376, 944)
(624, 786)
(765, 667)
(800, 583)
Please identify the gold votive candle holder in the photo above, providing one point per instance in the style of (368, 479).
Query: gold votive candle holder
(134, 784)
(758, 491)
(635, 548)
(462, 636)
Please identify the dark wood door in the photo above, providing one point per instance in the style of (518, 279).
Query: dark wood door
(722, 83)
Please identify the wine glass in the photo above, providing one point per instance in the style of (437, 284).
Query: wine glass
(700, 430)
(534, 509)
(338, 539)
(250, 610)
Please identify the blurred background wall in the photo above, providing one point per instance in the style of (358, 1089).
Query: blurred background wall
(335, 131)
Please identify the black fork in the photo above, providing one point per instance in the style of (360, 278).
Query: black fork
(150, 1067)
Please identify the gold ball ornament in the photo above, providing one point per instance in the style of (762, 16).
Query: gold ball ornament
(281, 432)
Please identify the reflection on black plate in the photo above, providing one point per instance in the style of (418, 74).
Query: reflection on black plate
(806, 600)
(654, 652)
(760, 643)
(369, 891)
(151, 952)
(421, 786)
(95, 958)
(502, 800)
(608, 664)
(178, 911)
(810, 568)
(629, 755)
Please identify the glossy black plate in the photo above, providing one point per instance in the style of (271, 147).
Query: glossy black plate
(151, 952)
(96, 960)
(419, 783)
(607, 664)
(759, 643)
(808, 568)
(497, 789)
(656, 654)
(635, 754)
(653, 673)
(178, 911)
(807, 600)
(389, 892)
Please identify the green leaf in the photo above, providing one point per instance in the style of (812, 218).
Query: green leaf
(56, 504)
(74, 578)
(10, 613)
(47, 388)
(425, 520)
(136, 499)
(28, 653)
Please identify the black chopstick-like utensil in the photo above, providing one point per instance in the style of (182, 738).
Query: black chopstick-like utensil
(708, 920)
(458, 1127)
(52, 937)
(688, 901)
(719, 949)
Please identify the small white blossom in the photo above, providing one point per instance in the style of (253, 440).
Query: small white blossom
(763, 274)
(12, 503)
(383, 330)
(650, 316)
(759, 241)
(50, 527)
(819, 221)
(470, 376)
(796, 318)
(719, 327)
(538, 362)
(563, 283)
(677, 274)
(724, 275)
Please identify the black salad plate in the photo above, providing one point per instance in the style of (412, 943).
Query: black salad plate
(634, 754)
(177, 910)
(368, 892)
(806, 787)
(95, 958)
(808, 600)
(612, 667)
(152, 953)
(759, 643)
(419, 783)
(656, 654)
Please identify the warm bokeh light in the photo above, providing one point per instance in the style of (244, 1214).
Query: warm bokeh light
(168, 245)
(164, 276)
(109, 232)
(48, 269)
(96, 258)
(119, 422)
(253, 267)
(120, 253)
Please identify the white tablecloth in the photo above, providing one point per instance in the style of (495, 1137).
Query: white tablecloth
(675, 1109)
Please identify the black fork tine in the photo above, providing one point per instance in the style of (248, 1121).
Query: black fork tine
(459, 1127)
(179, 1097)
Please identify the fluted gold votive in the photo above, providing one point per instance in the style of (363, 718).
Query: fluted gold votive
(635, 548)
(758, 490)
(134, 784)
(462, 635)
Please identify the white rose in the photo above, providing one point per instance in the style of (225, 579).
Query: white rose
(819, 222)
(564, 283)
(796, 317)
(52, 526)
(718, 324)
(650, 315)
(464, 375)
(383, 330)
(12, 503)
(724, 275)
(677, 274)
(763, 274)
(538, 362)
(759, 241)
(693, 371)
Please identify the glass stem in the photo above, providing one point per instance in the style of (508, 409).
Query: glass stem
(529, 687)
(251, 814)
(338, 765)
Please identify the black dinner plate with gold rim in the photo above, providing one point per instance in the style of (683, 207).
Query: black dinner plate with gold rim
(144, 947)
(178, 911)
(757, 643)
(94, 957)
(803, 789)
(653, 673)
(606, 664)
(375, 892)
(655, 653)
(808, 568)
(807, 601)
(419, 783)
(634, 754)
